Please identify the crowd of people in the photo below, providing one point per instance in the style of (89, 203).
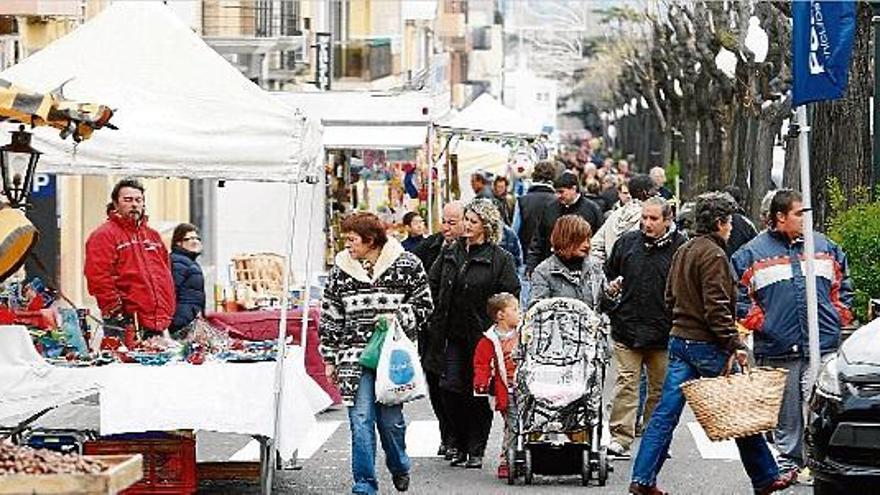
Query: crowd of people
(681, 303)
(137, 283)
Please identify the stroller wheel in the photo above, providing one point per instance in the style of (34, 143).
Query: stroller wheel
(512, 466)
(586, 467)
(602, 476)
(529, 475)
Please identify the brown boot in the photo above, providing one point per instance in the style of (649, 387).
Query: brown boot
(784, 481)
(639, 489)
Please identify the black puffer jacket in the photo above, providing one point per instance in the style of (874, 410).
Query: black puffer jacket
(461, 283)
(640, 319)
(189, 287)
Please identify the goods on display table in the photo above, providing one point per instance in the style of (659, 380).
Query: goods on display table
(24, 470)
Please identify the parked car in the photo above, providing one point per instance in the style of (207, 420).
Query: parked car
(842, 437)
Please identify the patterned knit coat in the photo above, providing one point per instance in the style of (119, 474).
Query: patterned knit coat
(353, 301)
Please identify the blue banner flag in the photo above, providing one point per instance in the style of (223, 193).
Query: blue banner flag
(822, 41)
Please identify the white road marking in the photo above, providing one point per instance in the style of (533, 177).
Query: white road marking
(724, 450)
(248, 453)
(317, 437)
(422, 438)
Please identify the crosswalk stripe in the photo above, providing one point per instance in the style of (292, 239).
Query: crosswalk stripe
(724, 450)
(317, 437)
(422, 438)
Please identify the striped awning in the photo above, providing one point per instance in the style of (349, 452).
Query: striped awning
(80, 120)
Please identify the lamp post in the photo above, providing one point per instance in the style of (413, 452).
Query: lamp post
(18, 161)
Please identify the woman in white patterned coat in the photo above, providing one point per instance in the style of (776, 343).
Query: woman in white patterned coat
(373, 276)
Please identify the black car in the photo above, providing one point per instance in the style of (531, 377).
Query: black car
(842, 438)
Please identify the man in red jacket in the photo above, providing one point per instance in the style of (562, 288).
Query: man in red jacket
(127, 266)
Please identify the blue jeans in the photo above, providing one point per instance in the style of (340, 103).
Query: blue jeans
(364, 418)
(689, 359)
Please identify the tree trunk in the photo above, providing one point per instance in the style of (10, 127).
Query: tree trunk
(840, 141)
(708, 176)
(689, 166)
(762, 163)
(791, 176)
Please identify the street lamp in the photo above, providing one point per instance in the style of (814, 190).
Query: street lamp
(17, 164)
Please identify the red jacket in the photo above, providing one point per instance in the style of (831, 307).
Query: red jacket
(488, 359)
(127, 270)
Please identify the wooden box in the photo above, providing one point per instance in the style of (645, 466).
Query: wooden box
(123, 471)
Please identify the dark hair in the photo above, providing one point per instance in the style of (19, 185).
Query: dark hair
(499, 302)
(181, 231)
(368, 226)
(501, 178)
(593, 186)
(641, 186)
(568, 180)
(569, 232)
(110, 208)
(481, 176)
(709, 209)
(545, 171)
(782, 202)
(735, 193)
(409, 217)
(128, 182)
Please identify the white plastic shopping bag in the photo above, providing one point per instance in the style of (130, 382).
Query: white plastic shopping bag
(399, 376)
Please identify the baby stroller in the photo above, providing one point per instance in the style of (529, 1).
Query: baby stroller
(556, 409)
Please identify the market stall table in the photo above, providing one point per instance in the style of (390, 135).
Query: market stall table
(263, 325)
(216, 396)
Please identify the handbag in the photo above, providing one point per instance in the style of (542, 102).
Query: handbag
(737, 405)
(370, 357)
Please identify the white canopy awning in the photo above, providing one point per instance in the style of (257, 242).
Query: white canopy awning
(367, 120)
(487, 116)
(374, 137)
(182, 109)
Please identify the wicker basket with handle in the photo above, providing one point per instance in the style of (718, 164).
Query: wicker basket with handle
(737, 405)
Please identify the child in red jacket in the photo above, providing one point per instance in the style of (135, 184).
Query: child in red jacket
(493, 360)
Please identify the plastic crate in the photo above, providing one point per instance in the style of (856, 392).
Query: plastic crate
(169, 461)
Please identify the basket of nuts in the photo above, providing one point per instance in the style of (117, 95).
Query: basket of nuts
(24, 470)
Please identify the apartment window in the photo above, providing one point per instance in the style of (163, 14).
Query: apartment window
(263, 18)
(290, 18)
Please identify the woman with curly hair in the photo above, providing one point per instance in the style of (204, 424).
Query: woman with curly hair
(462, 280)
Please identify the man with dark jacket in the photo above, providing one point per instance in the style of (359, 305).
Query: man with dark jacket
(532, 204)
(127, 266)
(639, 322)
(701, 297)
(428, 251)
(569, 202)
(772, 303)
(743, 228)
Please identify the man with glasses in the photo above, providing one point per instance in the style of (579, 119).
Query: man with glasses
(127, 267)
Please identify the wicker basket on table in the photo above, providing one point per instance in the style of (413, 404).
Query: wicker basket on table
(737, 405)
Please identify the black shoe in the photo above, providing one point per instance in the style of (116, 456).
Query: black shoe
(442, 450)
(460, 459)
(451, 453)
(401, 482)
(474, 462)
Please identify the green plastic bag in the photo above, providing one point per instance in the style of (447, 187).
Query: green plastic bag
(370, 357)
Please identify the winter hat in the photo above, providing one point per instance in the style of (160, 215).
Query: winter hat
(489, 215)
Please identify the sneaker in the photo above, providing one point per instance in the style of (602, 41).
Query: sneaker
(639, 489)
(474, 462)
(781, 483)
(503, 470)
(451, 453)
(617, 451)
(401, 482)
(441, 451)
(460, 459)
(805, 477)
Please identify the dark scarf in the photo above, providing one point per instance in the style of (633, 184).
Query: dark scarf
(662, 241)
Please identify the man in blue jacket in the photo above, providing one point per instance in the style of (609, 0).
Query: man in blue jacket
(773, 303)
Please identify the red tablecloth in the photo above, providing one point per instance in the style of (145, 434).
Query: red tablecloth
(263, 325)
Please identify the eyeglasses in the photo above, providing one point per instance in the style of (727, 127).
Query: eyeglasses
(193, 238)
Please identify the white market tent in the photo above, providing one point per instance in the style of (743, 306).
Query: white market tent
(181, 108)
(182, 111)
(365, 119)
(486, 116)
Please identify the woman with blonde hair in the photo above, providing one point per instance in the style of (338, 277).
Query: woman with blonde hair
(570, 272)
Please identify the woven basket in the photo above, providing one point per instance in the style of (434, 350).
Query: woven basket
(737, 405)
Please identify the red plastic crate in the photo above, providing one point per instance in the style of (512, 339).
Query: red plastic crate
(169, 461)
